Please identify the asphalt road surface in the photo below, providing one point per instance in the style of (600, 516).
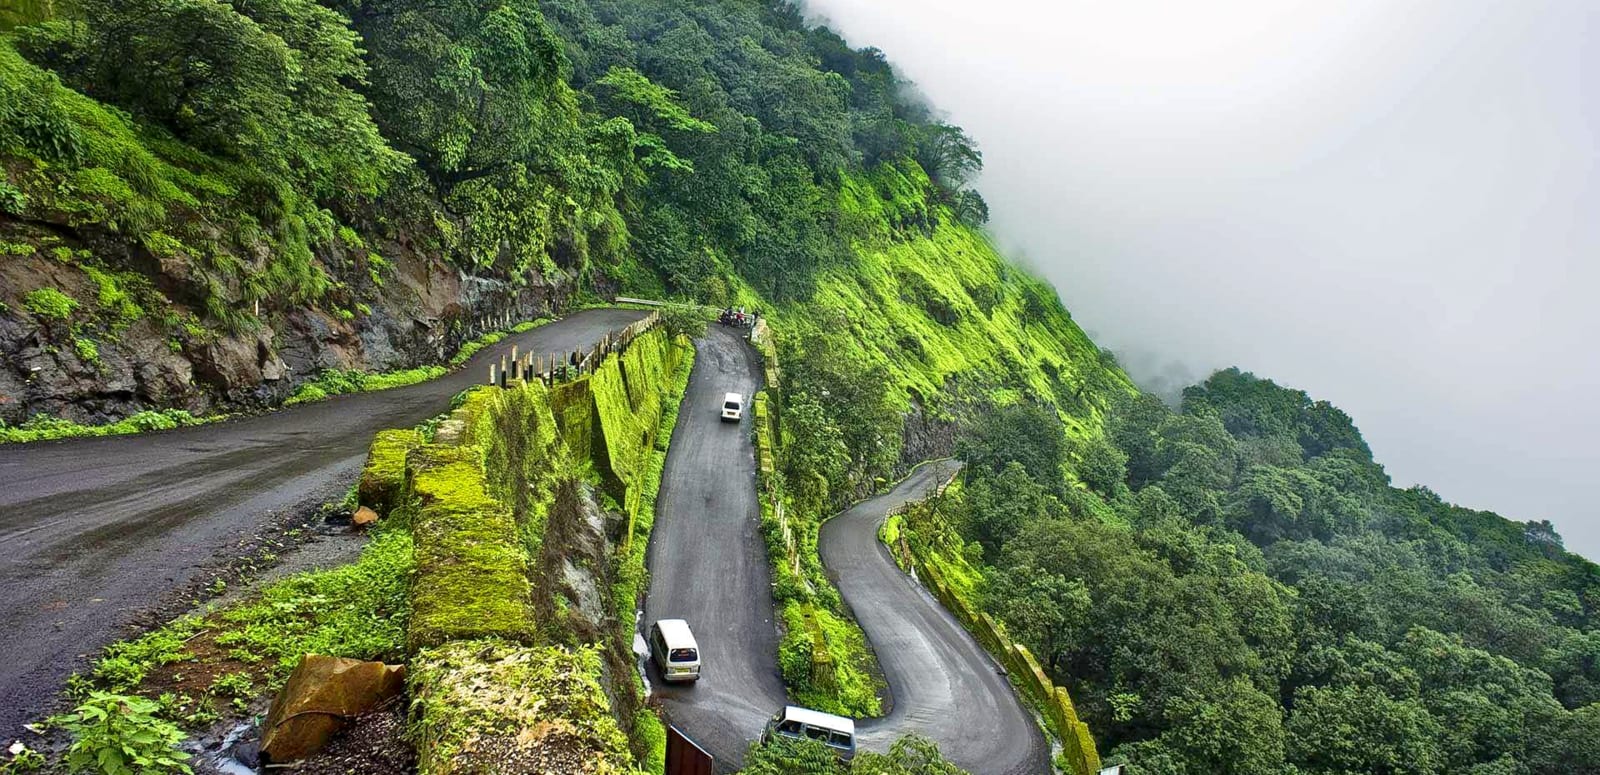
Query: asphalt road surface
(92, 531)
(708, 565)
(944, 685)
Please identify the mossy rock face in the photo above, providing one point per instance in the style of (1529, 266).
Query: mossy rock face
(383, 478)
(471, 579)
(573, 408)
(522, 455)
(489, 706)
(627, 399)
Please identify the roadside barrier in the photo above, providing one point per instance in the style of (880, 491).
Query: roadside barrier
(555, 368)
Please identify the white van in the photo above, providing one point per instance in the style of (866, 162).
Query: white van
(732, 407)
(836, 732)
(672, 647)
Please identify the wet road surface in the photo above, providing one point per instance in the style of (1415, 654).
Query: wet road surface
(708, 563)
(945, 686)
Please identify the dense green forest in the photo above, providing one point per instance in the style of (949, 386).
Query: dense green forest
(1230, 587)
(1235, 587)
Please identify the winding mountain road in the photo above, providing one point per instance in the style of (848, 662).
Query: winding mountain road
(708, 566)
(93, 531)
(945, 686)
(708, 562)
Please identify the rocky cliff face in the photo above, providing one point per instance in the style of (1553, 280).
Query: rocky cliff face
(95, 327)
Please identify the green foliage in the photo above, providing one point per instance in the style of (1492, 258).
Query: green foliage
(92, 164)
(910, 755)
(849, 401)
(471, 348)
(825, 663)
(87, 350)
(33, 118)
(263, 81)
(335, 382)
(125, 664)
(50, 304)
(121, 735)
(784, 756)
(23, 760)
(477, 94)
(1259, 598)
(652, 107)
(21, 12)
(357, 610)
(43, 427)
(12, 200)
(1028, 435)
(651, 733)
(114, 297)
(689, 321)
(1362, 729)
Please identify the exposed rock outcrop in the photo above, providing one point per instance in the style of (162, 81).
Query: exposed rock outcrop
(131, 330)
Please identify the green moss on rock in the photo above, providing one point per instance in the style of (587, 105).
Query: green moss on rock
(573, 407)
(471, 577)
(627, 399)
(383, 478)
(489, 706)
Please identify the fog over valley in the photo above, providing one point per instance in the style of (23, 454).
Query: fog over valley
(1392, 207)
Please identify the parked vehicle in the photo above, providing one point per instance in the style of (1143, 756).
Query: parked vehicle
(732, 407)
(673, 648)
(836, 732)
(737, 318)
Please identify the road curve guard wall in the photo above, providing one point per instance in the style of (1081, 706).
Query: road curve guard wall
(485, 677)
(1053, 701)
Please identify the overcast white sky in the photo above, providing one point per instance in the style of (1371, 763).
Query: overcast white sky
(1394, 205)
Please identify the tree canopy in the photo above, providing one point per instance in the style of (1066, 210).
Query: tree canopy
(1239, 589)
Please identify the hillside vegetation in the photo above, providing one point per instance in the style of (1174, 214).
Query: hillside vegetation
(216, 204)
(1237, 588)
(207, 204)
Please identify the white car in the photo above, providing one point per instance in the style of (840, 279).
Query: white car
(672, 647)
(836, 732)
(732, 407)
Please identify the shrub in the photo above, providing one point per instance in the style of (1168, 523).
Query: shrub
(335, 382)
(23, 759)
(33, 120)
(50, 304)
(687, 321)
(114, 734)
(87, 350)
(12, 200)
(43, 427)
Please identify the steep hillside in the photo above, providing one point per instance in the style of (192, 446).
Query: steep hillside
(207, 204)
(1239, 589)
